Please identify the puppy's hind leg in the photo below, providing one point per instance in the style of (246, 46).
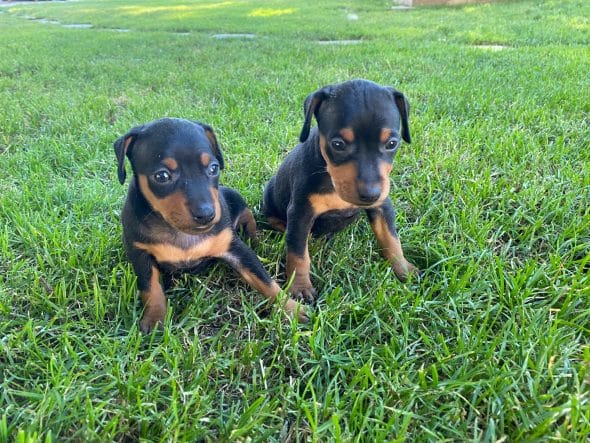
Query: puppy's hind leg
(269, 209)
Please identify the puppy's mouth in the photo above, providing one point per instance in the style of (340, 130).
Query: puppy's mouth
(362, 204)
(189, 227)
(196, 230)
(366, 205)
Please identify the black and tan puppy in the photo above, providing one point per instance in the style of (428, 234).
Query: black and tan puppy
(177, 217)
(338, 170)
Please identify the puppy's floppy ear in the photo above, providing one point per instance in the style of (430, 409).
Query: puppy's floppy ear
(122, 147)
(213, 140)
(404, 110)
(311, 106)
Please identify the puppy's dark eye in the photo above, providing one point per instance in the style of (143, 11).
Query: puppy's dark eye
(391, 145)
(213, 169)
(162, 177)
(338, 145)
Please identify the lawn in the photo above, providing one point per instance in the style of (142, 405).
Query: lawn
(492, 344)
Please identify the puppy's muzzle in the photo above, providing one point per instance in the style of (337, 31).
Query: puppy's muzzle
(369, 193)
(203, 214)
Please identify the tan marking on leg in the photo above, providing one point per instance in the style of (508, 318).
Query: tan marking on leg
(170, 163)
(277, 223)
(271, 292)
(206, 246)
(154, 302)
(246, 219)
(298, 264)
(392, 249)
(295, 308)
(301, 286)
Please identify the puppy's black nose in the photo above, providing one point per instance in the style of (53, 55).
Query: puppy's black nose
(203, 214)
(369, 193)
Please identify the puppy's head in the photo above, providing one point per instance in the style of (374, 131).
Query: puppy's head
(176, 164)
(361, 125)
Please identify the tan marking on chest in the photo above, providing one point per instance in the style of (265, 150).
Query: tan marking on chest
(210, 246)
(321, 203)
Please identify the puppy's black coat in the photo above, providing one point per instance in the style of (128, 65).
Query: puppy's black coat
(177, 218)
(340, 168)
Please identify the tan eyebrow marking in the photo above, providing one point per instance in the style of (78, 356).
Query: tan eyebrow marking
(205, 159)
(170, 163)
(347, 134)
(385, 134)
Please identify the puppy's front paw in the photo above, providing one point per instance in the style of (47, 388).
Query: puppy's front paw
(303, 290)
(295, 309)
(152, 318)
(404, 270)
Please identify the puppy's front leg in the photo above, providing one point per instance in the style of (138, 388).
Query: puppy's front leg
(152, 293)
(300, 219)
(382, 221)
(245, 261)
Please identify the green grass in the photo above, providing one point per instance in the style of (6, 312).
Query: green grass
(492, 198)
